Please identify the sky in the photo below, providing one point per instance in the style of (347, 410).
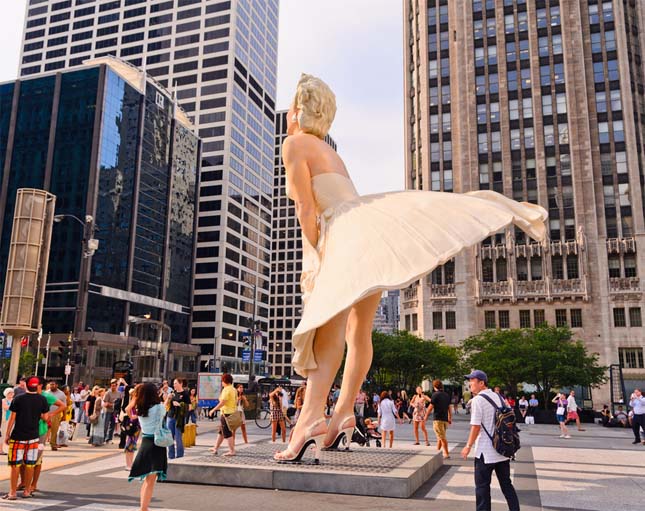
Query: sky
(355, 46)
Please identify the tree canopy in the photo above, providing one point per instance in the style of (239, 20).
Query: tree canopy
(403, 360)
(547, 357)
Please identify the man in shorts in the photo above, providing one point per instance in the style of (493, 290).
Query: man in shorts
(22, 435)
(440, 405)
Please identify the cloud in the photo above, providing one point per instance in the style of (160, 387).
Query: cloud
(356, 47)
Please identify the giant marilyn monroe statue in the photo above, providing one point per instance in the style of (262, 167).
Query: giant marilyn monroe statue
(354, 248)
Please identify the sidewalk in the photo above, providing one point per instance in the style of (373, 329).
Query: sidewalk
(78, 451)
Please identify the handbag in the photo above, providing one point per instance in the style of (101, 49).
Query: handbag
(163, 437)
(560, 410)
(234, 420)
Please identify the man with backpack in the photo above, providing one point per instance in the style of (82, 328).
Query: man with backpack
(494, 446)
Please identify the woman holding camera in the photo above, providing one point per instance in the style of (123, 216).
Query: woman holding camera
(277, 417)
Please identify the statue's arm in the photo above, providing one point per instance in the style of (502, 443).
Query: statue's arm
(299, 184)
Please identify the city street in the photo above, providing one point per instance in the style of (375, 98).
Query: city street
(598, 469)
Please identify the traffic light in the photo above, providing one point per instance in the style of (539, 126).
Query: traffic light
(65, 348)
(77, 358)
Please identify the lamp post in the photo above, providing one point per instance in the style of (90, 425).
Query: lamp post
(89, 245)
(253, 330)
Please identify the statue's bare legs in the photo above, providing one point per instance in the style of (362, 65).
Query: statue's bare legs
(357, 362)
(328, 350)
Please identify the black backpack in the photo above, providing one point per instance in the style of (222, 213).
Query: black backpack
(506, 434)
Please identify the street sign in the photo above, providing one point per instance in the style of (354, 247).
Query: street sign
(257, 355)
(68, 369)
(6, 353)
(246, 355)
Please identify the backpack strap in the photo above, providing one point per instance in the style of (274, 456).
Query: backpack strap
(497, 408)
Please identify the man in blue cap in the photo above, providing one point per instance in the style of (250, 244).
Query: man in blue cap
(487, 459)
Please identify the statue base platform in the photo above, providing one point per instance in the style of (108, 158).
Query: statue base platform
(370, 471)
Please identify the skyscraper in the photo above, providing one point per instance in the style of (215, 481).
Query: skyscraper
(220, 58)
(113, 145)
(286, 262)
(542, 101)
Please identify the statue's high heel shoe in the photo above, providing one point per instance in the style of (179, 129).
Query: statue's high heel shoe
(344, 432)
(291, 456)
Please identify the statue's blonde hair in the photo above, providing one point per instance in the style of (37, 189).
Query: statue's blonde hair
(317, 105)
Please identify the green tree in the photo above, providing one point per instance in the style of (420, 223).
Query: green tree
(26, 365)
(403, 360)
(547, 357)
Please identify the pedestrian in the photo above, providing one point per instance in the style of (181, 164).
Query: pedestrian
(418, 403)
(109, 400)
(487, 459)
(442, 416)
(77, 400)
(98, 420)
(6, 413)
(467, 396)
(376, 398)
(164, 391)
(22, 440)
(21, 388)
(299, 401)
(177, 404)
(560, 401)
(572, 409)
(523, 406)
(277, 414)
(89, 407)
(359, 403)
(242, 405)
(637, 402)
(58, 406)
(130, 431)
(151, 462)
(56, 418)
(227, 405)
(192, 408)
(387, 416)
(533, 406)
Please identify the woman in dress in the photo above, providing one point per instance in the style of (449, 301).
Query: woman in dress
(387, 416)
(356, 247)
(6, 403)
(227, 405)
(242, 404)
(97, 418)
(418, 404)
(151, 463)
(277, 417)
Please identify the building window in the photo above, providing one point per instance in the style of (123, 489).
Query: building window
(489, 319)
(619, 317)
(451, 320)
(576, 318)
(631, 358)
(437, 320)
(415, 322)
(561, 317)
(407, 323)
(525, 319)
(635, 316)
(504, 320)
(538, 317)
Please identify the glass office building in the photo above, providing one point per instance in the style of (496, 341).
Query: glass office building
(113, 144)
(220, 56)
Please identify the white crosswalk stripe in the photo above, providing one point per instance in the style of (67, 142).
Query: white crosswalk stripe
(32, 504)
(109, 463)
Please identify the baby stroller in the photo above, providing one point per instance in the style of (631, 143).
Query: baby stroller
(362, 434)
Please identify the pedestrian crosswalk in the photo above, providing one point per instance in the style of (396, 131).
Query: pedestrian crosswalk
(41, 504)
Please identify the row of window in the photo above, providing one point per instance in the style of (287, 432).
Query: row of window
(621, 315)
(563, 317)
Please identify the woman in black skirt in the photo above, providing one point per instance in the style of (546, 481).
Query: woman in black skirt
(151, 462)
